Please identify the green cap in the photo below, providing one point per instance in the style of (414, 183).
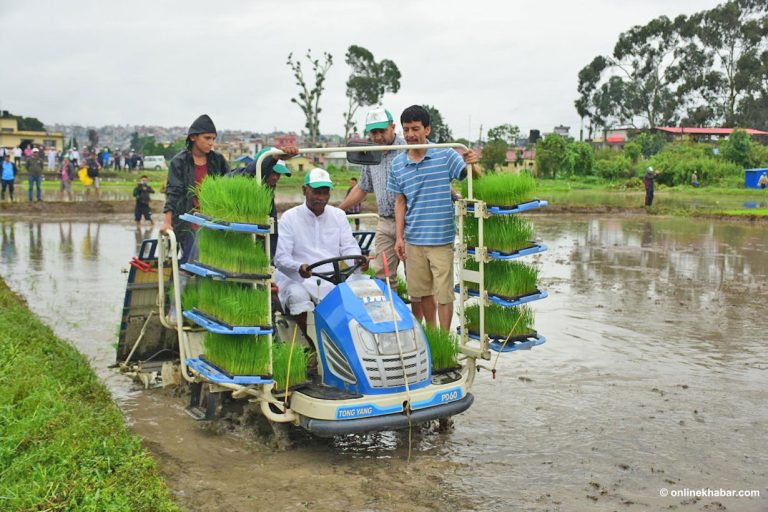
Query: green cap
(377, 119)
(317, 178)
(279, 166)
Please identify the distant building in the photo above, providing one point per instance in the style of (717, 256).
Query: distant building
(705, 134)
(288, 139)
(563, 131)
(11, 136)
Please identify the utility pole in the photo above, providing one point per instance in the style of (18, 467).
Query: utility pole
(480, 136)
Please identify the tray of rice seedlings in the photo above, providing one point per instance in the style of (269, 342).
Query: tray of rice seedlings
(505, 192)
(506, 280)
(236, 355)
(227, 308)
(281, 355)
(236, 199)
(443, 348)
(502, 234)
(500, 322)
(233, 255)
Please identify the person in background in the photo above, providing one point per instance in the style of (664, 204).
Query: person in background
(105, 158)
(186, 171)
(68, 175)
(648, 180)
(355, 208)
(8, 175)
(695, 179)
(17, 156)
(74, 155)
(763, 181)
(35, 173)
(143, 193)
(51, 154)
(93, 166)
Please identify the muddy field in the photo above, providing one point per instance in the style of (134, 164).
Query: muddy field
(653, 377)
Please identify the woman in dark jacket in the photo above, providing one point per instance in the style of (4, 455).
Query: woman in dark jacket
(187, 169)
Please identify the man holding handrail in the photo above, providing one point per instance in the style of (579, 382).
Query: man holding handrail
(424, 215)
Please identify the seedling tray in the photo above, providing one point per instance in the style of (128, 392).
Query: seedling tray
(202, 270)
(509, 302)
(213, 324)
(216, 375)
(534, 248)
(512, 209)
(207, 222)
(521, 342)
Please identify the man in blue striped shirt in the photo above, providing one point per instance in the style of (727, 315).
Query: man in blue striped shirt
(424, 218)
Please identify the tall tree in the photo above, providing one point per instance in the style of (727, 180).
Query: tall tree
(93, 138)
(494, 155)
(505, 132)
(367, 83)
(309, 96)
(729, 39)
(441, 133)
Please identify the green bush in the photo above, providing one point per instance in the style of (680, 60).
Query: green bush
(616, 168)
(679, 160)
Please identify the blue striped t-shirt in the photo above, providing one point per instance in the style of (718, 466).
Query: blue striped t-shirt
(426, 186)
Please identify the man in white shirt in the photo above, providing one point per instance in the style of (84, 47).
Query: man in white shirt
(311, 232)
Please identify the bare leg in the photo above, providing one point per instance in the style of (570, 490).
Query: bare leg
(445, 313)
(429, 309)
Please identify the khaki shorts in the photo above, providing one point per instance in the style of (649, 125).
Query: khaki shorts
(429, 271)
(385, 243)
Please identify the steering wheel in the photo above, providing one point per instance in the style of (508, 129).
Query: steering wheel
(338, 275)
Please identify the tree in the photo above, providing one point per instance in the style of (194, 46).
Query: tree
(581, 157)
(633, 150)
(309, 98)
(136, 143)
(505, 132)
(367, 83)
(441, 133)
(494, 155)
(728, 39)
(551, 157)
(738, 148)
(32, 124)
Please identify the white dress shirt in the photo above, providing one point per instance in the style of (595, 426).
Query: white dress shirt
(308, 238)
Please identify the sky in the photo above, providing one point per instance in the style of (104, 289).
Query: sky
(481, 63)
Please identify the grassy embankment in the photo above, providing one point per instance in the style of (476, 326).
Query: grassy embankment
(63, 442)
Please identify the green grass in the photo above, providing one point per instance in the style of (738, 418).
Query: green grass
(237, 354)
(503, 188)
(499, 320)
(63, 442)
(746, 212)
(232, 252)
(506, 233)
(235, 199)
(234, 303)
(281, 352)
(509, 279)
(443, 348)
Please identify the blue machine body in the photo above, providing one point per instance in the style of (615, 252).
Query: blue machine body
(363, 306)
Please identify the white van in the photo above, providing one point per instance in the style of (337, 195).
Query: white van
(155, 162)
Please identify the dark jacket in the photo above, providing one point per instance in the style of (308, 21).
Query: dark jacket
(179, 192)
(35, 166)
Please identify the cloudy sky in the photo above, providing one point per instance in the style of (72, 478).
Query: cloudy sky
(165, 62)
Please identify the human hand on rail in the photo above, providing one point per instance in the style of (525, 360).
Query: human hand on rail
(289, 150)
(470, 157)
(304, 272)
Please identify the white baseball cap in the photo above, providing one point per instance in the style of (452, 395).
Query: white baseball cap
(317, 178)
(377, 119)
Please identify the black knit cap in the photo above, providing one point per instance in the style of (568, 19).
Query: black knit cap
(202, 124)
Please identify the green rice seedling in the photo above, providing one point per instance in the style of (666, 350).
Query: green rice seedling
(503, 188)
(508, 279)
(235, 199)
(499, 320)
(505, 233)
(402, 288)
(281, 353)
(233, 252)
(190, 299)
(234, 303)
(244, 354)
(443, 348)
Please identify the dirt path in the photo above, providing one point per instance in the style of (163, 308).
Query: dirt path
(221, 467)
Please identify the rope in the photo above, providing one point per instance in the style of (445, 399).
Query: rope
(498, 354)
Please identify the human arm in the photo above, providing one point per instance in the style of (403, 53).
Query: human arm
(400, 210)
(355, 196)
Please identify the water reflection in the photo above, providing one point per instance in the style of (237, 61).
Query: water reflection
(654, 362)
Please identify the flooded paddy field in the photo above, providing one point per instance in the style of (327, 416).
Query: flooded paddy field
(653, 379)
